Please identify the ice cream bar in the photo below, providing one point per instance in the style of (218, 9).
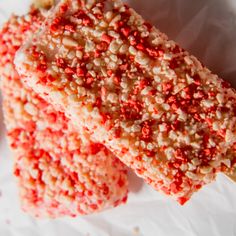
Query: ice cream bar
(159, 110)
(59, 171)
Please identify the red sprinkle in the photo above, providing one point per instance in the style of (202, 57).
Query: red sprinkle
(102, 46)
(117, 80)
(94, 206)
(95, 148)
(80, 72)
(17, 172)
(89, 80)
(63, 8)
(140, 47)
(69, 70)
(174, 187)
(110, 73)
(180, 155)
(182, 200)
(87, 21)
(121, 182)
(106, 38)
(125, 31)
(105, 189)
(61, 62)
(167, 87)
(117, 133)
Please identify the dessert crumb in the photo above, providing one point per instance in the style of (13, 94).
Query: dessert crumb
(136, 230)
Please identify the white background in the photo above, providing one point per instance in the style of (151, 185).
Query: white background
(207, 29)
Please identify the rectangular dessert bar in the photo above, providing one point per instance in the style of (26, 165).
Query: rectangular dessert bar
(161, 111)
(60, 172)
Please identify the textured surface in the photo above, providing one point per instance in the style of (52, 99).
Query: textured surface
(60, 171)
(161, 111)
(207, 29)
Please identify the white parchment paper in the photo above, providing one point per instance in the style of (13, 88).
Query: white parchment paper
(207, 28)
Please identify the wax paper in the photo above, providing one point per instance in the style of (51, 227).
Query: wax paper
(207, 29)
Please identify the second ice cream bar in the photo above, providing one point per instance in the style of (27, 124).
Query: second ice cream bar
(59, 171)
(154, 105)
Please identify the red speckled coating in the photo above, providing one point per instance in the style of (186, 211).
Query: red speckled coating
(60, 172)
(154, 105)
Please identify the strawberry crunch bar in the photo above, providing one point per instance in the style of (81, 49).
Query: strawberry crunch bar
(154, 105)
(60, 172)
